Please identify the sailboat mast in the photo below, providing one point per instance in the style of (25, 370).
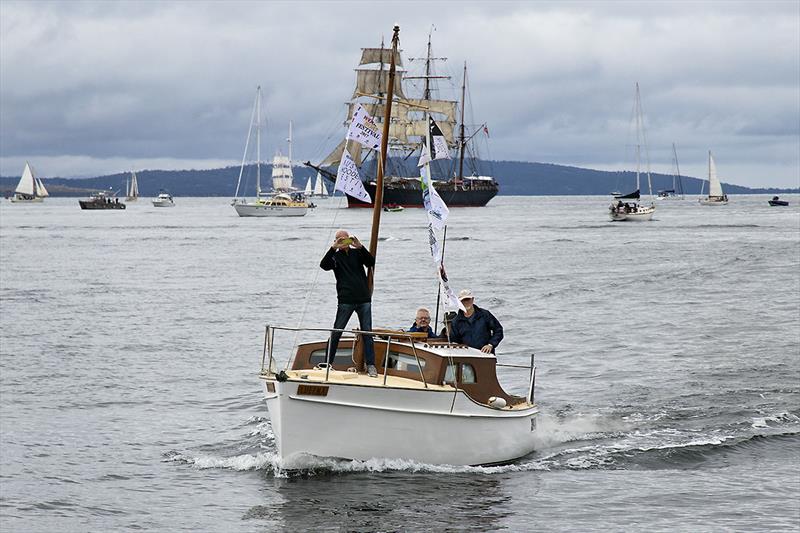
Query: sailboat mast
(258, 143)
(290, 145)
(427, 93)
(378, 200)
(462, 141)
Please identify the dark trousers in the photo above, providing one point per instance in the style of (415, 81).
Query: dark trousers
(343, 314)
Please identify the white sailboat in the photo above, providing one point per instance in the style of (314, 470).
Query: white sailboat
(433, 402)
(30, 189)
(266, 205)
(308, 191)
(715, 194)
(627, 206)
(132, 188)
(320, 191)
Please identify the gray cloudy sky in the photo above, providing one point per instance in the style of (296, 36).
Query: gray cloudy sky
(100, 87)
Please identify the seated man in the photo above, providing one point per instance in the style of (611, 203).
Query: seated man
(477, 327)
(423, 322)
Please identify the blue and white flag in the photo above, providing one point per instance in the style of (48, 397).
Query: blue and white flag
(448, 295)
(434, 205)
(348, 180)
(363, 129)
(435, 145)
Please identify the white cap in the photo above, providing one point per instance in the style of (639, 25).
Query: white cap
(464, 294)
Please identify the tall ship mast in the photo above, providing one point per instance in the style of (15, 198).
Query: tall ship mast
(407, 129)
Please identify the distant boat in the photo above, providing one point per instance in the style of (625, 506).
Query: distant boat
(282, 174)
(392, 207)
(285, 203)
(164, 200)
(620, 211)
(101, 200)
(715, 194)
(30, 189)
(676, 192)
(132, 188)
(776, 201)
(320, 191)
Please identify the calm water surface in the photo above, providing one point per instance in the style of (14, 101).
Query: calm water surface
(668, 359)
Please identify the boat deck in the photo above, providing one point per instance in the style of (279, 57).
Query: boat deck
(318, 375)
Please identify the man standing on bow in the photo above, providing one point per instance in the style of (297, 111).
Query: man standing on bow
(348, 258)
(476, 327)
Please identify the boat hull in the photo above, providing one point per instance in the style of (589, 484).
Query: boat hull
(362, 423)
(641, 214)
(775, 203)
(712, 201)
(20, 200)
(100, 205)
(264, 210)
(411, 195)
(157, 203)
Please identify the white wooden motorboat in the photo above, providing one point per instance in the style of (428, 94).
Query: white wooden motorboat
(433, 403)
(424, 401)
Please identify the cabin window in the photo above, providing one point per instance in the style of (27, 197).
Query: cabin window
(344, 357)
(404, 362)
(467, 373)
(450, 374)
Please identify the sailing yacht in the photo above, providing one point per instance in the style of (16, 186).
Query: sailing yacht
(676, 192)
(407, 128)
(715, 194)
(30, 189)
(286, 202)
(132, 188)
(433, 402)
(621, 209)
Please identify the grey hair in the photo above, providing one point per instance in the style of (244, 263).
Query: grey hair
(424, 309)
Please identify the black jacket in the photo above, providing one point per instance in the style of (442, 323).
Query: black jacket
(351, 278)
(480, 329)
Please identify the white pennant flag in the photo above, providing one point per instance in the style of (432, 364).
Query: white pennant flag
(448, 295)
(348, 179)
(363, 130)
(435, 145)
(434, 205)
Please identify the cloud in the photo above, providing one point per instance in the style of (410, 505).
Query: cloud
(115, 83)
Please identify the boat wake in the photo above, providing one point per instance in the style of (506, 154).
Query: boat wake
(576, 442)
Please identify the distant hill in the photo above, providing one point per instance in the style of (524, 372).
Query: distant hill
(515, 177)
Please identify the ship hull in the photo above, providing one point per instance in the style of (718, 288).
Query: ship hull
(412, 196)
(99, 205)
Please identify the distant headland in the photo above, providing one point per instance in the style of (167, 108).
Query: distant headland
(516, 178)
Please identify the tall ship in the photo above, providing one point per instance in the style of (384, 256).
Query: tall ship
(457, 185)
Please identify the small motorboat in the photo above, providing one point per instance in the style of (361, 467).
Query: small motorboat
(164, 200)
(392, 208)
(100, 200)
(777, 201)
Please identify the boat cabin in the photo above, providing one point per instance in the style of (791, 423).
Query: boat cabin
(419, 359)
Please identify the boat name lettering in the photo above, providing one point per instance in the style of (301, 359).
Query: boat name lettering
(312, 390)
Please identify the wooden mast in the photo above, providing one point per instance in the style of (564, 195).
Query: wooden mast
(378, 200)
(461, 141)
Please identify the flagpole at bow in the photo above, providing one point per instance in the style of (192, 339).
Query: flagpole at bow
(378, 200)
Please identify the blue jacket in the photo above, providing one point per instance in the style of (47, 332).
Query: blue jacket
(480, 329)
(429, 330)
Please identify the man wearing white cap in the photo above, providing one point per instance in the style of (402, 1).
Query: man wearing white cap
(476, 327)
